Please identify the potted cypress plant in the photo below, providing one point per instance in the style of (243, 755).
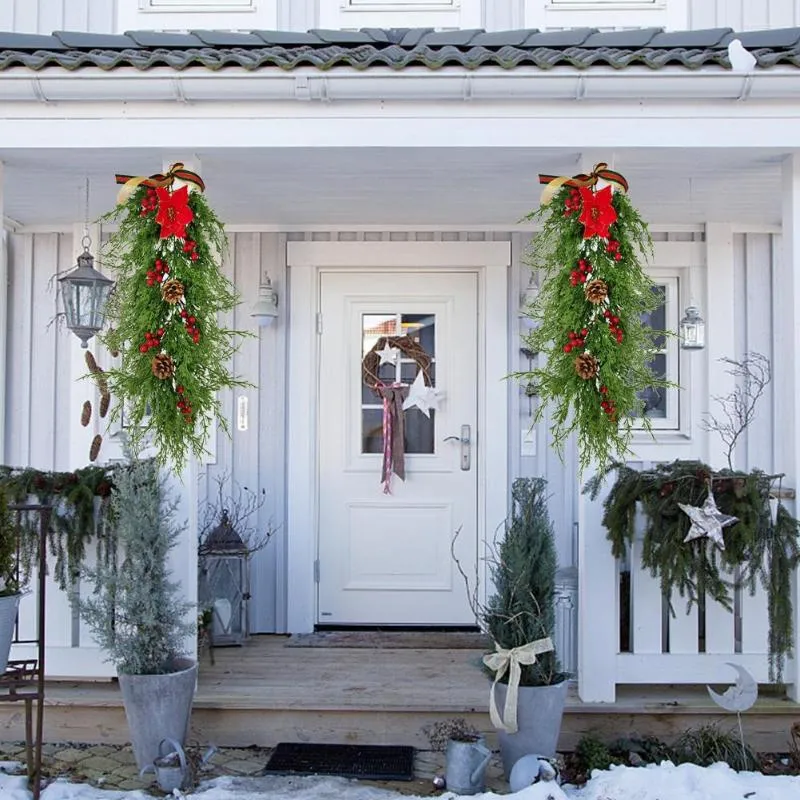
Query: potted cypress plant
(529, 691)
(10, 593)
(137, 616)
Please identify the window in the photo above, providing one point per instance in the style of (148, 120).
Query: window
(199, 5)
(438, 14)
(662, 406)
(187, 15)
(606, 14)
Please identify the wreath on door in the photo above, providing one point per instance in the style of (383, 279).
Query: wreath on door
(386, 351)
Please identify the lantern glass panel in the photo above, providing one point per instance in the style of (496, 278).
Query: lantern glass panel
(226, 593)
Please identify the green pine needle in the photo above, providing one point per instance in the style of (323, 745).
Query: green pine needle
(150, 404)
(624, 369)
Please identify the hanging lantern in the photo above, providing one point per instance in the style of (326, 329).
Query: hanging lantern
(84, 292)
(693, 329)
(225, 583)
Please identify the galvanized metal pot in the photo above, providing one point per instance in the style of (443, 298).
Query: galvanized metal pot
(158, 707)
(8, 616)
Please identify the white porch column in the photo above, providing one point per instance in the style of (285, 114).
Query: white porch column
(3, 319)
(184, 484)
(786, 365)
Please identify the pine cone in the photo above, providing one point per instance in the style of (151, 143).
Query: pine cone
(105, 402)
(91, 363)
(163, 366)
(86, 413)
(102, 383)
(587, 366)
(172, 291)
(94, 450)
(596, 291)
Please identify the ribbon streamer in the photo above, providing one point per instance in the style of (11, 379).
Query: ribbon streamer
(600, 172)
(393, 433)
(500, 661)
(175, 172)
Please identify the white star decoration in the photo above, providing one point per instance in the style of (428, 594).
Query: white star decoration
(707, 521)
(388, 354)
(423, 397)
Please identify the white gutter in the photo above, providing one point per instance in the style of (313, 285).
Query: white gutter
(410, 84)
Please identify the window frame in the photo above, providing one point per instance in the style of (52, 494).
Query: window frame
(675, 419)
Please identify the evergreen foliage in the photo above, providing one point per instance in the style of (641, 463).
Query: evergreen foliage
(135, 610)
(764, 552)
(9, 581)
(79, 502)
(178, 407)
(563, 307)
(523, 571)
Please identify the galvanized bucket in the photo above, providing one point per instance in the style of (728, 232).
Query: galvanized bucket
(465, 767)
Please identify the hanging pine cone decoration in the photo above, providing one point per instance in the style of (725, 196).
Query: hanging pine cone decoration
(172, 291)
(91, 363)
(586, 365)
(163, 367)
(94, 450)
(86, 413)
(105, 402)
(596, 291)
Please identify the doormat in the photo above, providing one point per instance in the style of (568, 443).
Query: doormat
(368, 762)
(393, 640)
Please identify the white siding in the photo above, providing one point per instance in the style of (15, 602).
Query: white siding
(744, 15)
(46, 16)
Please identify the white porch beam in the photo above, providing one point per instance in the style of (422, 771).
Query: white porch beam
(786, 339)
(3, 321)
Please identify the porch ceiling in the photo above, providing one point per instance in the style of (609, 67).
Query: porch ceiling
(399, 186)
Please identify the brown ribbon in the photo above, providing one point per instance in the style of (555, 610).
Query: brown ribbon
(175, 172)
(600, 172)
(394, 426)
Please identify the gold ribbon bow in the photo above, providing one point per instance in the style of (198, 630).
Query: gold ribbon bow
(600, 172)
(175, 172)
(500, 661)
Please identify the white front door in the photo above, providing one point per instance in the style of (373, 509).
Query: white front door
(385, 559)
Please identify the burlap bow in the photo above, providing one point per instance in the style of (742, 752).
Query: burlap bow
(176, 172)
(601, 172)
(499, 662)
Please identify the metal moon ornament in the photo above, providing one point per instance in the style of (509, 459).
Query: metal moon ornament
(707, 520)
(739, 697)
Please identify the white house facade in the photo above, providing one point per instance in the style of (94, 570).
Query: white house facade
(372, 160)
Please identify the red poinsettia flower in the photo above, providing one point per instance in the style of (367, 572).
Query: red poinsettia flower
(598, 214)
(173, 213)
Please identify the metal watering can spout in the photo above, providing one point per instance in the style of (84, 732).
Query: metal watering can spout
(477, 773)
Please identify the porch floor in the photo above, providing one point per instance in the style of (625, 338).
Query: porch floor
(265, 692)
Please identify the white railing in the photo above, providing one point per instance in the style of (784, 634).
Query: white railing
(659, 647)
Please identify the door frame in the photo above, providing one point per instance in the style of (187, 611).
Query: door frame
(306, 261)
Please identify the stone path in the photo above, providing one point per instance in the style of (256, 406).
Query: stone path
(113, 766)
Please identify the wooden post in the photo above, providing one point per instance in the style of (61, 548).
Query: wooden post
(786, 335)
(3, 320)
(598, 605)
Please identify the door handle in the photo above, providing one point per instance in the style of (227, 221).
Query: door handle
(466, 445)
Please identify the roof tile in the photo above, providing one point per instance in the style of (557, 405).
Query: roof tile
(503, 38)
(78, 40)
(28, 41)
(571, 37)
(228, 39)
(461, 38)
(628, 39)
(161, 39)
(708, 37)
(778, 37)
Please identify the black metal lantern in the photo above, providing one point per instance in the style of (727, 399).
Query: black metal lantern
(84, 292)
(225, 583)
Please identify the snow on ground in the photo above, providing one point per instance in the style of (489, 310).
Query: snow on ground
(664, 782)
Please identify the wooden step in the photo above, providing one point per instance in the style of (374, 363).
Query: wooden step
(265, 693)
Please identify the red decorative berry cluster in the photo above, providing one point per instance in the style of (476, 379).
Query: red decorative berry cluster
(158, 273)
(607, 405)
(149, 202)
(184, 406)
(151, 340)
(576, 340)
(573, 202)
(582, 273)
(191, 326)
(614, 326)
(190, 247)
(613, 248)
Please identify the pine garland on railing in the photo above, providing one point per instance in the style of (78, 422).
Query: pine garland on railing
(763, 549)
(588, 314)
(174, 354)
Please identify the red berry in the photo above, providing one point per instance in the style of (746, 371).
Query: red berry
(179, 389)
(143, 348)
(584, 331)
(604, 390)
(583, 278)
(618, 257)
(184, 314)
(567, 348)
(160, 331)
(192, 320)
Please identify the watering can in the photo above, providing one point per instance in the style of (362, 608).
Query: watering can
(169, 767)
(465, 768)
